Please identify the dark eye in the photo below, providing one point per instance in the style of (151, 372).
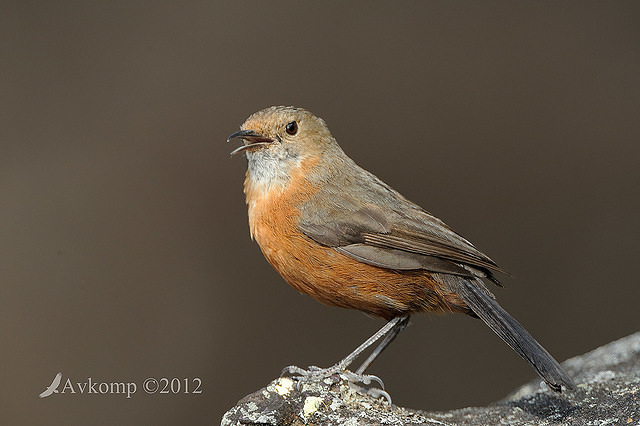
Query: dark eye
(292, 128)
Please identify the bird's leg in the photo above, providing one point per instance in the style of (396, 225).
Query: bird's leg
(388, 332)
(393, 333)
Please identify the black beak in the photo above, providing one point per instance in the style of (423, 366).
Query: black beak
(251, 140)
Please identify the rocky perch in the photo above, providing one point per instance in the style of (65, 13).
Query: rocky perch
(608, 381)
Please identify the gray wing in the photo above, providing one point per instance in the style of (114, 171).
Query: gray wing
(389, 232)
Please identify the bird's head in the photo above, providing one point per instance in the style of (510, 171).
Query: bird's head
(283, 132)
(279, 139)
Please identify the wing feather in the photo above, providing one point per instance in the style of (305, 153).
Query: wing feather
(380, 227)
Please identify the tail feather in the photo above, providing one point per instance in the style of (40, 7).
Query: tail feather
(514, 335)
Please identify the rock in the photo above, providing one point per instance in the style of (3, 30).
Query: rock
(608, 381)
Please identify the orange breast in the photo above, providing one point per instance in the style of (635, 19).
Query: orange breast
(323, 273)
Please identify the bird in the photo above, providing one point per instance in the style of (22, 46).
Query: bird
(53, 387)
(339, 234)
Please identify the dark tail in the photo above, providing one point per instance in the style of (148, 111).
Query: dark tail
(519, 339)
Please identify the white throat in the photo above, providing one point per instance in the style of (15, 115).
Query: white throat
(270, 170)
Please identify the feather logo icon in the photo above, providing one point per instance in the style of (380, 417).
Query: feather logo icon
(53, 387)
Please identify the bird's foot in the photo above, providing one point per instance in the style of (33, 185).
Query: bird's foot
(361, 383)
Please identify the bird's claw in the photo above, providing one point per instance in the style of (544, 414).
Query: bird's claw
(375, 393)
(358, 382)
(312, 373)
(294, 369)
(365, 379)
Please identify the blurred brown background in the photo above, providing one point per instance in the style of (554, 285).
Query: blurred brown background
(124, 244)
